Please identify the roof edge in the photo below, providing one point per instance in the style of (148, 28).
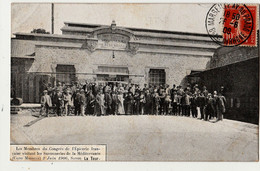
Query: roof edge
(74, 24)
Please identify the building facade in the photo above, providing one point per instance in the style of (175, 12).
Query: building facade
(105, 53)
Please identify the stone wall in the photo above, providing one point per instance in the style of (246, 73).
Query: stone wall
(176, 66)
(228, 55)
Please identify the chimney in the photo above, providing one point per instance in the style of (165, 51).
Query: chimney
(52, 18)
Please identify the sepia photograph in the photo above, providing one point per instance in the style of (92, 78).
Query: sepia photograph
(134, 82)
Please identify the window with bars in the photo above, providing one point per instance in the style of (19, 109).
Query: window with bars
(157, 76)
(65, 73)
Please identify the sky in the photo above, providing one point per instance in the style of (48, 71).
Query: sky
(173, 17)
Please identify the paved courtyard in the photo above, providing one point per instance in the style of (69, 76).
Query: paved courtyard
(144, 138)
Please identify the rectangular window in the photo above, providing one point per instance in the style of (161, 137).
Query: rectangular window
(157, 76)
(113, 74)
(65, 73)
(123, 70)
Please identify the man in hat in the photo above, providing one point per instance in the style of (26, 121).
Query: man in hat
(145, 87)
(45, 103)
(129, 100)
(193, 105)
(162, 95)
(86, 87)
(58, 102)
(82, 102)
(73, 87)
(205, 91)
(67, 102)
(179, 96)
(222, 91)
(136, 103)
(49, 89)
(90, 102)
(76, 98)
(108, 101)
(215, 98)
(137, 88)
(220, 103)
(188, 88)
(106, 88)
(175, 102)
(209, 112)
(77, 85)
(185, 101)
(115, 102)
(149, 101)
(196, 89)
(68, 88)
(59, 87)
(174, 89)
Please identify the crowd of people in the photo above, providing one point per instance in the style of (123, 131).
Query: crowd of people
(117, 99)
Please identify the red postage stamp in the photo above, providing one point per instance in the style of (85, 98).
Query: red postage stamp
(233, 24)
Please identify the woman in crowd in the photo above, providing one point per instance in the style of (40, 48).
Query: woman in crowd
(102, 102)
(121, 109)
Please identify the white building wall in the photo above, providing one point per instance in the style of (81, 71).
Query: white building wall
(176, 66)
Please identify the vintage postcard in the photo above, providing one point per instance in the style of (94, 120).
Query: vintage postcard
(134, 82)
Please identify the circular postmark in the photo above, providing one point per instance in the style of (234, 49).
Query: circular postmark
(229, 24)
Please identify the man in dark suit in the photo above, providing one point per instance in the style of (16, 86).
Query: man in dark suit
(186, 103)
(59, 87)
(108, 101)
(90, 103)
(221, 103)
(162, 95)
(180, 93)
(58, 102)
(115, 102)
(209, 112)
(76, 97)
(148, 105)
(193, 105)
(82, 102)
(205, 91)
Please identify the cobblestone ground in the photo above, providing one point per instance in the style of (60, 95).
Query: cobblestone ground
(144, 138)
